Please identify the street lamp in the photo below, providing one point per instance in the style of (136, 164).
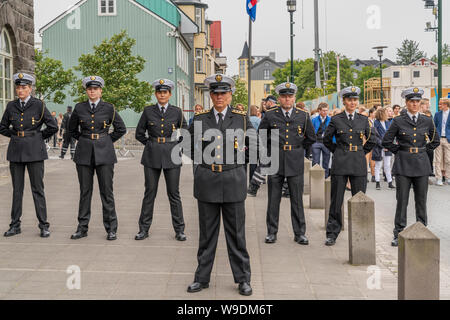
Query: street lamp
(292, 7)
(380, 55)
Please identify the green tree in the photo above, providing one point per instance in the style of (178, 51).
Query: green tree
(409, 52)
(51, 78)
(445, 55)
(113, 61)
(241, 93)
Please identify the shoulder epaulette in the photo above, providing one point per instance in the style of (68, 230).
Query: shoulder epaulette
(301, 110)
(242, 113)
(202, 112)
(271, 109)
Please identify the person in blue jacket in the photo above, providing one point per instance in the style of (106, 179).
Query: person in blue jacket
(320, 124)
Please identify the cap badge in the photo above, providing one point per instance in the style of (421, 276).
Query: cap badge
(21, 76)
(161, 82)
(416, 90)
(219, 78)
(93, 78)
(288, 85)
(353, 89)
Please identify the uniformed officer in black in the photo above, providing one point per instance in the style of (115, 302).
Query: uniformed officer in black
(296, 134)
(90, 124)
(67, 139)
(415, 134)
(219, 185)
(350, 130)
(22, 122)
(160, 122)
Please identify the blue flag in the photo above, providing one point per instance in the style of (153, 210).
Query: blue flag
(251, 9)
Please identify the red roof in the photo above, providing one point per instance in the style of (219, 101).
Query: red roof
(216, 35)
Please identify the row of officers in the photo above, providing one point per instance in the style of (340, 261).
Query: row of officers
(220, 189)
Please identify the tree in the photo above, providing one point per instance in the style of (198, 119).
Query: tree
(51, 78)
(241, 93)
(445, 55)
(365, 74)
(409, 52)
(113, 61)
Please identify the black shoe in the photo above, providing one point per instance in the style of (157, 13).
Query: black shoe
(45, 233)
(373, 179)
(252, 190)
(78, 235)
(378, 186)
(180, 236)
(394, 242)
(197, 287)
(141, 236)
(61, 157)
(391, 185)
(245, 289)
(286, 195)
(12, 232)
(111, 236)
(271, 238)
(330, 242)
(303, 240)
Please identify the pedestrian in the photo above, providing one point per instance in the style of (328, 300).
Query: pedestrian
(240, 107)
(22, 122)
(59, 134)
(68, 140)
(255, 120)
(197, 108)
(379, 154)
(295, 134)
(442, 153)
(369, 157)
(220, 186)
(271, 102)
(424, 105)
(415, 133)
(319, 151)
(350, 130)
(155, 129)
(90, 124)
(396, 108)
(55, 135)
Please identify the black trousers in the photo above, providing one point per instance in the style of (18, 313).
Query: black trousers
(172, 177)
(295, 187)
(234, 222)
(66, 143)
(338, 184)
(420, 187)
(36, 175)
(105, 175)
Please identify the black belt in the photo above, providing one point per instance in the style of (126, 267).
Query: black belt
(94, 136)
(23, 134)
(413, 150)
(289, 147)
(161, 140)
(351, 148)
(443, 137)
(221, 167)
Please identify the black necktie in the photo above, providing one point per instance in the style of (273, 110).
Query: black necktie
(350, 117)
(220, 123)
(287, 116)
(162, 110)
(93, 107)
(23, 105)
(414, 119)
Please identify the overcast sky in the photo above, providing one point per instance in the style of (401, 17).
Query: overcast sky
(346, 26)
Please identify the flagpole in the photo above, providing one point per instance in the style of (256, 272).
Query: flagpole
(250, 62)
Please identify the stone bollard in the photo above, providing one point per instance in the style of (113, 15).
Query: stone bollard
(317, 185)
(418, 264)
(361, 230)
(328, 202)
(307, 166)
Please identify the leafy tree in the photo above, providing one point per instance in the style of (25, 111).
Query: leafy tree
(113, 61)
(409, 52)
(51, 78)
(445, 55)
(241, 93)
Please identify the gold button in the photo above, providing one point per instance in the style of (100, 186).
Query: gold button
(287, 137)
(219, 137)
(22, 114)
(287, 142)
(93, 121)
(93, 116)
(351, 130)
(415, 141)
(287, 130)
(162, 119)
(92, 128)
(162, 131)
(21, 119)
(351, 137)
(415, 134)
(218, 157)
(218, 147)
(287, 124)
(415, 129)
(162, 126)
(21, 125)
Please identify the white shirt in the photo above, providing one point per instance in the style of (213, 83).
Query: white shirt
(216, 113)
(353, 114)
(444, 122)
(92, 102)
(410, 115)
(383, 124)
(289, 112)
(165, 107)
(26, 100)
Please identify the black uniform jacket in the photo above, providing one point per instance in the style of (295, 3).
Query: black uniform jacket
(158, 145)
(24, 128)
(91, 129)
(348, 149)
(295, 136)
(413, 140)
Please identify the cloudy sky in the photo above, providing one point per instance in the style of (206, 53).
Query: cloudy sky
(350, 27)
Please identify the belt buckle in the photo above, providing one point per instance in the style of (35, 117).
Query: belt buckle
(21, 134)
(214, 166)
(287, 148)
(353, 148)
(95, 136)
(161, 140)
(413, 150)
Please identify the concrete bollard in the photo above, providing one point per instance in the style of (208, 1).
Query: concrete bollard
(361, 230)
(418, 264)
(307, 167)
(317, 186)
(328, 202)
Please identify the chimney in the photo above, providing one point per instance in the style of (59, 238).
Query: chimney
(272, 55)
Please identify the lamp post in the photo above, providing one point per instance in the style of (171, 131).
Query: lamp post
(292, 7)
(380, 55)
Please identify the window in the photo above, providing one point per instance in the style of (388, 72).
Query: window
(182, 57)
(107, 7)
(266, 74)
(436, 73)
(416, 74)
(199, 61)
(396, 74)
(198, 19)
(267, 89)
(242, 69)
(6, 70)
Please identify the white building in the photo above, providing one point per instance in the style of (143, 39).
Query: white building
(423, 74)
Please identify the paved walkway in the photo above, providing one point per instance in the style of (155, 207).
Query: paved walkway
(162, 268)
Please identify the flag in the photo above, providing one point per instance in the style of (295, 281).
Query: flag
(251, 9)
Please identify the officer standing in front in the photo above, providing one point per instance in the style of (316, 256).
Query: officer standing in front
(161, 121)
(219, 186)
(90, 125)
(415, 134)
(67, 139)
(296, 134)
(350, 129)
(22, 122)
